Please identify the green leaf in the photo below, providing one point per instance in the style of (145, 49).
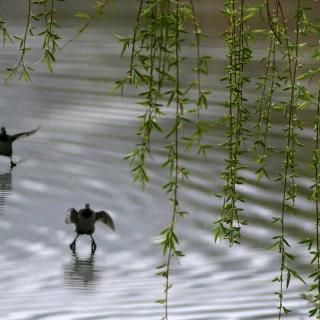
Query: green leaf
(82, 15)
(295, 274)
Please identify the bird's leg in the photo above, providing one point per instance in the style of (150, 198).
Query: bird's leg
(73, 244)
(93, 244)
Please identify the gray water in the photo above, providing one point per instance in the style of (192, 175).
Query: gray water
(76, 158)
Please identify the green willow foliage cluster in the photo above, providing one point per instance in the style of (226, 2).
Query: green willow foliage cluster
(314, 98)
(38, 12)
(279, 77)
(41, 21)
(297, 96)
(155, 65)
(290, 50)
(237, 38)
(163, 31)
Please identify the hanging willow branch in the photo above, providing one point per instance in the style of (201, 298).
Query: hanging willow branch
(3, 28)
(289, 108)
(201, 125)
(50, 37)
(134, 40)
(315, 275)
(170, 239)
(143, 72)
(268, 84)
(313, 242)
(99, 11)
(21, 67)
(237, 38)
(155, 66)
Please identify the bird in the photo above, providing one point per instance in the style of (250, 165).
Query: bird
(7, 140)
(85, 220)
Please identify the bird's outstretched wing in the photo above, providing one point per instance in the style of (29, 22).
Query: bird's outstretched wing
(105, 218)
(23, 134)
(72, 216)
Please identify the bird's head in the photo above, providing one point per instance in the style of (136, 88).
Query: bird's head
(3, 130)
(87, 206)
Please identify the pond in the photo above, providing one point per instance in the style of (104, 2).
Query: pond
(77, 158)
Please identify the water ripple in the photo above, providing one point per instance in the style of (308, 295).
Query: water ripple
(76, 158)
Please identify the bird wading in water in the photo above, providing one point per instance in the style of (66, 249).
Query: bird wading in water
(85, 220)
(7, 140)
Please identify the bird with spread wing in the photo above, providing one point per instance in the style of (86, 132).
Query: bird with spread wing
(7, 140)
(85, 220)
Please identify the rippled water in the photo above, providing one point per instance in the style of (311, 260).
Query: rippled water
(75, 158)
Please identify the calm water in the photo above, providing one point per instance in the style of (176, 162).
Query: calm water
(76, 157)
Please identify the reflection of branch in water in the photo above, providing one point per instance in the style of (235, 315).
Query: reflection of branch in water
(5, 188)
(81, 273)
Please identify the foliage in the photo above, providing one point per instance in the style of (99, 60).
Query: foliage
(163, 31)
(155, 65)
(21, 67)
(41, 14)
(237, 38)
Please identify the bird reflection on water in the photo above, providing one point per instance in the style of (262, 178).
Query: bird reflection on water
(81, 273)
(5, 188)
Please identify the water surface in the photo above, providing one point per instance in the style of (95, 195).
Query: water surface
(76, 158)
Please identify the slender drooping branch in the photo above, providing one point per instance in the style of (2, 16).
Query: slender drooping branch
(201, 125)
(175, 203)
(21, 67)
(267, 83)
(50, 37)
(289, 174)
(134, 40)
(316, 198)
(239, 54)
(98, 12)
(3, 28)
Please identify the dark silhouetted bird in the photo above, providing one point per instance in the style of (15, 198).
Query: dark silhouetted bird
(6, 141)
(85, 220)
